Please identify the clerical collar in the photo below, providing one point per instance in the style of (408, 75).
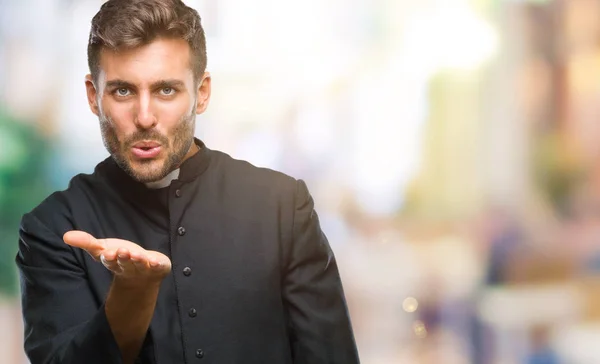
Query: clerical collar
(189, 170)
(165, 182)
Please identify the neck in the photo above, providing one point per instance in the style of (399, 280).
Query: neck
(190, 153)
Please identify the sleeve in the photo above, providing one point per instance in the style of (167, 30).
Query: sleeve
(319, 323)
(63, 324)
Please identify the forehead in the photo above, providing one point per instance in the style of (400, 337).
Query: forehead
(158, 60)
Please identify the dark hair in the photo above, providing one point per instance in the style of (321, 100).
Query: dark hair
(132, 23)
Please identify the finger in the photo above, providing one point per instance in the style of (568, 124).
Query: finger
(124, 260)
(159, 262)
(109, 260)
(123, 254)
(163, 262)
(153, 262)
(139, 261)
(166, 264)
(85, 241)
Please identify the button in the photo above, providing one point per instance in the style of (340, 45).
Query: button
(181, 231)
(193, 312)
(187, 271)
(177, 193)
(199, 353)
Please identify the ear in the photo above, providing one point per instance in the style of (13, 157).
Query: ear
(92, 94)
(203, 94)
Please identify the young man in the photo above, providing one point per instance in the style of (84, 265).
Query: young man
(171, 252)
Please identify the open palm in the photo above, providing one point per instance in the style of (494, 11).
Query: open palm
(122, 257)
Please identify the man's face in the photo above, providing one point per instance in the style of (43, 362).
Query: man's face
(146, 100)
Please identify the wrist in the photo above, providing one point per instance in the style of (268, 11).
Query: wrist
(137, 283)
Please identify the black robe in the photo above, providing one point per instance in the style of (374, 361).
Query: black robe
(253, 281)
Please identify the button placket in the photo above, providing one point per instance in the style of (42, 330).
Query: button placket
(180, 231)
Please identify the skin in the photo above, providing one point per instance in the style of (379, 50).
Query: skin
(147, 93)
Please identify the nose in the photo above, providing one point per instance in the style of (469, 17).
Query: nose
(145, 118)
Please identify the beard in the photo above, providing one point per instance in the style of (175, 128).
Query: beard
(151, 170)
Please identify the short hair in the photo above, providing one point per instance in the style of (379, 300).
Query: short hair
(126, 24)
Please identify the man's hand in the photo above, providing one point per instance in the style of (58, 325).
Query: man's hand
(125, 259)
(131, 300)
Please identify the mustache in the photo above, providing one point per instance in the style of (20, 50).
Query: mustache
(106, 123)
(146, 135)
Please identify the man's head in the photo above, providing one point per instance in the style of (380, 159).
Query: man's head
(147, 82)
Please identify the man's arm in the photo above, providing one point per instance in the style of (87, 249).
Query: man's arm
(63, 324)
(129, 310)
(62, 321)
(131, 300)
(320, 327)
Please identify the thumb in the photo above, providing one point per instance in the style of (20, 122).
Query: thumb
(85, 241)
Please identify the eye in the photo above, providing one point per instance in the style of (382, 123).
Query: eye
(122, 91)
(167, 91)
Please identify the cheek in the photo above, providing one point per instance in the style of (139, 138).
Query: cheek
(172, 113)
(120, 114)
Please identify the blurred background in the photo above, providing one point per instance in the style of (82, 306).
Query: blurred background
(452, 148)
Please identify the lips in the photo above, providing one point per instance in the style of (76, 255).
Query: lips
(146, 149)
(146, 145)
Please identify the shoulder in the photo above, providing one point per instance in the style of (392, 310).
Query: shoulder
(42, 228)
(56, 211)
(241, 174)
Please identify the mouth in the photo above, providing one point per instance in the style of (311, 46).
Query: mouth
(146, 150)
(146, 145)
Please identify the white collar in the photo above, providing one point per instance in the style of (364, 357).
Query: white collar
(164, 182)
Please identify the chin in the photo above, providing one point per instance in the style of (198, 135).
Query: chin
(147, 171)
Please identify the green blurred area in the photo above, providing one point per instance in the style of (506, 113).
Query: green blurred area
(24, 182)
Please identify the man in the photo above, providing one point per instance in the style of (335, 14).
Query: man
(171, 252)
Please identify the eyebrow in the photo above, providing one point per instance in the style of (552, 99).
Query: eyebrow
(156, 85)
